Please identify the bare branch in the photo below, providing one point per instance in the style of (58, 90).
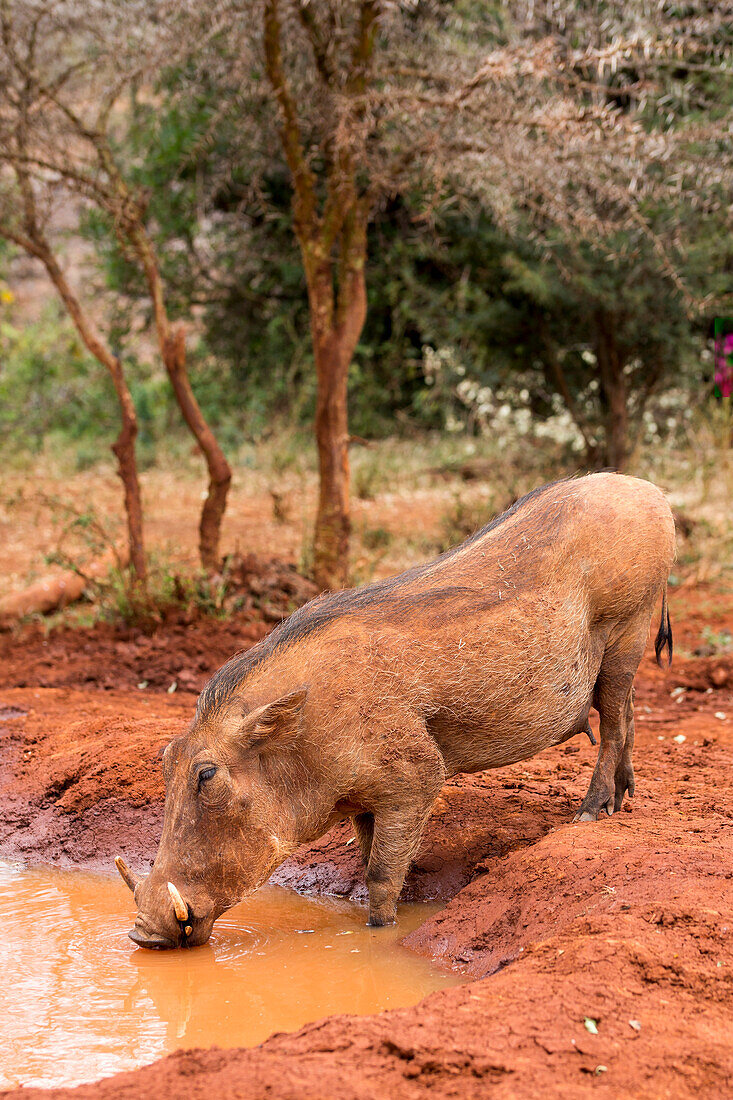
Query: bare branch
(320, 42)
(303, 179)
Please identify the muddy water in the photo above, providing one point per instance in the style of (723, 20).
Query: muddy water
(80, 1001)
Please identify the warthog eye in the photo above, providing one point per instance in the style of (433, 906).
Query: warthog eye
(205, 774)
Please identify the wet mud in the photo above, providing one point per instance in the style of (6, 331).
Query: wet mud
(599, 956)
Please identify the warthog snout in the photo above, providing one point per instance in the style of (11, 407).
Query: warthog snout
(164, 918)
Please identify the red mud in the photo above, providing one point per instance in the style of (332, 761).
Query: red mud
(626, 922)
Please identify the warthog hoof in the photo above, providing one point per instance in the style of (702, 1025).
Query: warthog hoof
(604, 801)
(596, 805)
(380, 922)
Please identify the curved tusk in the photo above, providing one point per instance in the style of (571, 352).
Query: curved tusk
(179, 905)
(129, 878)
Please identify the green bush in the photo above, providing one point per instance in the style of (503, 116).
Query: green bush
(48, 384)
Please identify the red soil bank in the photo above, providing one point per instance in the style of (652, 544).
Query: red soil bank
(627, 922)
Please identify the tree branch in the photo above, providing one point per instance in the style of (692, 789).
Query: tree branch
(303, 179)
(363, 48)
(319, 43)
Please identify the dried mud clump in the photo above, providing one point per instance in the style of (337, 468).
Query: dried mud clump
(274, 588)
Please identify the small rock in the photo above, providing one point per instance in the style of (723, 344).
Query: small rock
(719, 676)
(720, 714)
(679, 738)
(635, 1024)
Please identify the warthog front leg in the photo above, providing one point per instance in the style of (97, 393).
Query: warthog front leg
(390, 835)
(396, 840)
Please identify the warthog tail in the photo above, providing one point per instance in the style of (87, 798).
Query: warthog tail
(664, 634)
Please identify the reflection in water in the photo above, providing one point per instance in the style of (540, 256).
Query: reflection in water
(80, 1001)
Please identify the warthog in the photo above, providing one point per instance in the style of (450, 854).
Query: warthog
(364, 702)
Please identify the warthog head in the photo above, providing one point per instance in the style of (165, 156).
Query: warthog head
(228, 819)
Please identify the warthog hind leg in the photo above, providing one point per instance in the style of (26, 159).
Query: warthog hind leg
(396, 840)
(624, 778)
(613, 775)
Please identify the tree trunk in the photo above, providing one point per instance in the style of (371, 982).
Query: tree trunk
(334, 344)
(220, 474)
(124, 446)
(614, 394)
(172, 344)
(333, 522)
(124, 451)
(336, 318)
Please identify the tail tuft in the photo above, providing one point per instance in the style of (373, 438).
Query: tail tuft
(664, 634)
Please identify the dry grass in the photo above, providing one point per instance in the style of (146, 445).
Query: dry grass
(411, 501)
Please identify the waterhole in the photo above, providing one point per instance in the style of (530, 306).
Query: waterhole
(80, 1001)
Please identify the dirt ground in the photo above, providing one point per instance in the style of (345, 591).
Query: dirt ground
(626, 922)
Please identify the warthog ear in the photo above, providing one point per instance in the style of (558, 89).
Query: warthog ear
(276, 723)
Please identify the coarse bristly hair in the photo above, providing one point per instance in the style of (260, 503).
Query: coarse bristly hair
(324, 609)
(363, 703)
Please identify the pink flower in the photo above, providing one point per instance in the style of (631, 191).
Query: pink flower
(724, 364)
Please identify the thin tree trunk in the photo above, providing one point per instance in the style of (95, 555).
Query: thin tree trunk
(334, 345)
(124, 446)
(124, 451)
(172, 343)
(613, 394)
(220, 474)
(333, 521)
(336, 315)
(34, 242)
